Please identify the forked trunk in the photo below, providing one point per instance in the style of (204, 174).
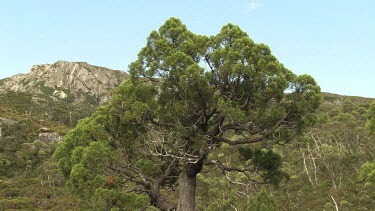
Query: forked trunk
(187, 184)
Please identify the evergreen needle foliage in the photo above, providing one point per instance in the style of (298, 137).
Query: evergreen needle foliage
(189, 95)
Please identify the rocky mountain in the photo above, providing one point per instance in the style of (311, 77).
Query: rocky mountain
(68, 81)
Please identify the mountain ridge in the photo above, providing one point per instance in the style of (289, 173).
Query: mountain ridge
(72, 81)
(81, 80)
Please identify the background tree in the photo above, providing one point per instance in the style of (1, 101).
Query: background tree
(331, 154)
(190, 95)
(263, 201)
(105, 165)
(370, 125)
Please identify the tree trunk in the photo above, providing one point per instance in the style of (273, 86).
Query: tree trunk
(187, 184)
(156, 200)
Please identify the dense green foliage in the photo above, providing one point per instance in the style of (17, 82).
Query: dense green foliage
(84, 156)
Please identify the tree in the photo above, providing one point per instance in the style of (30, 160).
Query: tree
(263, 201)
(367, 172)
(188, 96)
(97, 158)
(367, 176)
(370, 125)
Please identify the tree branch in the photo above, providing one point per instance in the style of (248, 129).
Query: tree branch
(206, 58)
(226, 169)
(258, 137)
(128, 176)
(162, 124)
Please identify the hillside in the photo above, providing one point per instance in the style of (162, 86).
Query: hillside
(36, 111)
(323, 165)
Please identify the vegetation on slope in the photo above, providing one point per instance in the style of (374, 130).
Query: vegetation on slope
(31, 127)
(343, 169)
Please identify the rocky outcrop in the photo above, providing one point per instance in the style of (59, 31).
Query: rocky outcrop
(48, 137)
(7, 121)
(75, 81)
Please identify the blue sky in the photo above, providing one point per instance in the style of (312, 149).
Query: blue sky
(332, 40)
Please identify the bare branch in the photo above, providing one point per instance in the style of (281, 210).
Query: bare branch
(307, 171)
(333, 199)
(240, 141)
(127, 175)
(256, 137)
(156, 122)
(226, 170)
(234, 208)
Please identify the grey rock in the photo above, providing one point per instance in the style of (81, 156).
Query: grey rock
(48, 137)
(62, 80)
(7, 121)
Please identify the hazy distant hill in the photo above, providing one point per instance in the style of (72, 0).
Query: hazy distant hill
(69, 81)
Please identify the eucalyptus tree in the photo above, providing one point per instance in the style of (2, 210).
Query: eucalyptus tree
(370, 125)
(188, 96)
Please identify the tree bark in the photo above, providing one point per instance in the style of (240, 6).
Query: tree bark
(187, 184)
(156, 200)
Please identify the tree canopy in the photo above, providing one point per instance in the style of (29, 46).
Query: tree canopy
(188, 96)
